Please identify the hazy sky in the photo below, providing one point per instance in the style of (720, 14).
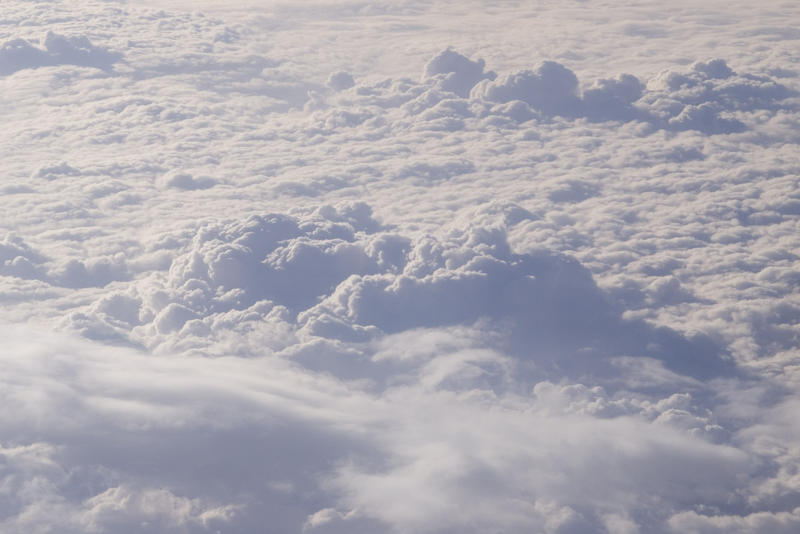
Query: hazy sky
(400, 266)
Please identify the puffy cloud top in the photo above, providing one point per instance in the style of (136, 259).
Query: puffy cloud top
(456, 73)
(19, 54)
(551, 88)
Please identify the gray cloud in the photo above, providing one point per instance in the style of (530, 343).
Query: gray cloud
(551, 88)
(19, 54)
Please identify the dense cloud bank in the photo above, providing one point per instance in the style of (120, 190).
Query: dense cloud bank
(338, 375)
(336, 274)
(706, 97)
(299, 268)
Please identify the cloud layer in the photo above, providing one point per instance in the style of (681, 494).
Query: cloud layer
(399, 267)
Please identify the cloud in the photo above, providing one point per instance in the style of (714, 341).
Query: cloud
(330, 277)
(706, 119)
(97, 272)
(77, 50)
(18, 259)
(336, 273)
(782, 522)
(456, 73)
(106, 439)
(19, 54)
(417, 492)
(86, 474)
(697, 100)
(268, 256)
(551, 88)
(245, 275)
(429, 171)
(707, 98)
(548, 305)
(340, 81)
(612, 99)
(179, 180)
(714, 81)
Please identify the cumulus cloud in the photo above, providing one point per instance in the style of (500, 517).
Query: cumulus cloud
(277, 257)
(345, 278)
(696, 100)
(456, 73)
(757, 522)
(551, 88)
(331, 277)
(227, 443)
(18, 259)
(613, 98)
(19, 54)
(181, 180)
(22, 261)
(340, 81)
(549, 306)
(96, 272)
(260, 272)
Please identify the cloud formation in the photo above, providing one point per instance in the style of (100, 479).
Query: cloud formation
(456, 73)
(19, 54)
(197, 444)
(398, 267)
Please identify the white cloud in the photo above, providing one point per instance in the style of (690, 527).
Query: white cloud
(398, 267)
(758, 522)
(456, 73)
(113, 438)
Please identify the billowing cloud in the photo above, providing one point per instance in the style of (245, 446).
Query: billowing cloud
(456, 73)
(109, 438)
(19, 54)
(398, 267)
(551, 88)
(697, 100)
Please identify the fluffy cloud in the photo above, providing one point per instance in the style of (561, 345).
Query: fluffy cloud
(337, 274)
(18, 259)
(551, 88)
(19, 54)
(550, 307)
(456, 73)
(697, 100)
(188, 444)
(333, 274)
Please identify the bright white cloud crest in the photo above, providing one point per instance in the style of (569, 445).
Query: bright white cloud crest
(399, 267)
